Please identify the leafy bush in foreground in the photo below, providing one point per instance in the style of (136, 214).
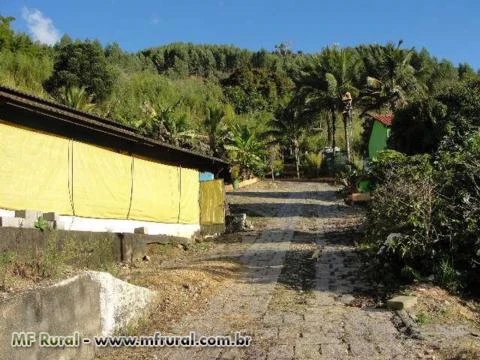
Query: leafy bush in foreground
(424, 218)
(399, 220)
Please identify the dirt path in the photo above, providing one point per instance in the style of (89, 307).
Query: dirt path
(295, 296)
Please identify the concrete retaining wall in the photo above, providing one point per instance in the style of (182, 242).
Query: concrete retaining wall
(242, 184)
(125, 247)
(92, 303)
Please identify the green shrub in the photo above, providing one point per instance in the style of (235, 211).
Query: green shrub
(235, 172)
(446, 275)
(312, 164)
(278, 166)
(25, 72)
(458, 212)
(422, 318)
(424, 218)
(41, 224)
(336, 167)
(399, 219)
(383, 162)
(350, 177)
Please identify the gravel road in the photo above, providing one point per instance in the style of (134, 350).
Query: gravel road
(299, 293)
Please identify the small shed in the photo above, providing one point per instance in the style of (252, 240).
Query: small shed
(380, 133)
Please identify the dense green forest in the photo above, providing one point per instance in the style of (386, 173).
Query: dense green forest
(259, 109)
(263, 109)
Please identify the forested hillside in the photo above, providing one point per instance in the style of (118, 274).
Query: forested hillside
(259, 109)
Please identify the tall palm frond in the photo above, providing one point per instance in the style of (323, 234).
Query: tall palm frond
(246, 149)
(391, 77)
(212, 123)
(76, 98)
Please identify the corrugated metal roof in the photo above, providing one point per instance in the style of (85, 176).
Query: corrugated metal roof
(385, 119)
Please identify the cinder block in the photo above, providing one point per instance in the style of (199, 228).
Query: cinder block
(10, 222)
(28, 214)
(28, 223)
(17, 222)
(51, 216)
(402, 302)
(140, 230)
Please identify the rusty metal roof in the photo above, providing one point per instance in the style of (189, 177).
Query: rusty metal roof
(385, 119)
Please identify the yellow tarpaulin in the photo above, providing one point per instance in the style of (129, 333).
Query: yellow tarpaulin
(189, 200)
(49, 173)
(101, 182)
(155, 192)
(33, 171)
(212, 197)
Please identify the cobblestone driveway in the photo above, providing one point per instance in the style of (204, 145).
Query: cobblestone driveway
(295, 297)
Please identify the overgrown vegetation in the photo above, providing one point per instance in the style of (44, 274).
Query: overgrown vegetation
(55, 257)
(424, 220)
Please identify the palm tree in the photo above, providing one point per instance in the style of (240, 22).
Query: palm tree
(288, 126)
(325, 80)
(212, 123)
(391, 76)
(178, 130)
(76, 98)
(246, 149)
(164, 124)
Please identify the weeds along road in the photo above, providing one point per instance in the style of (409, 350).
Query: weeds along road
(298, 284)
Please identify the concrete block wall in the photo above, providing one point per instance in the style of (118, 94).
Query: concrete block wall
(126, 247)
(27, 219)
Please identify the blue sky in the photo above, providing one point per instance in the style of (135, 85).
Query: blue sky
(448, 29)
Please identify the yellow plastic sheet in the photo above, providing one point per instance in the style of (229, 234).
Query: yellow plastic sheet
(49, 173)
(189, 200)
(155, 192)
(212, 197)
(33, 171)
(101, 182)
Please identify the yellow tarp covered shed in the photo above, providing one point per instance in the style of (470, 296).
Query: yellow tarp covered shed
(50, 173)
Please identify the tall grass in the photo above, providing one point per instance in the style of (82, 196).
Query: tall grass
(25, 72)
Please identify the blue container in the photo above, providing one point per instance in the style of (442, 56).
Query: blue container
(206, 176)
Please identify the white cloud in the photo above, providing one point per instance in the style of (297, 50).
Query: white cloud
(41, 27)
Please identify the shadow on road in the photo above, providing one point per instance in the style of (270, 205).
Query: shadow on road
(299, 262)
(315, 195)
(267, 209)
